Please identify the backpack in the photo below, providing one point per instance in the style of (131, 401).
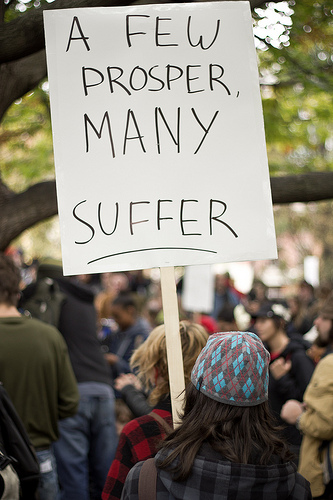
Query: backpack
(44, 302)
(16, 447)
(9, 480)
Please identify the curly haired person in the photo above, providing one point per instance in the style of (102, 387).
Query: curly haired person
(141, 437)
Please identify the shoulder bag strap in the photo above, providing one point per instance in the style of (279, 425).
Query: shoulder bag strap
(161, 420)
(147, 480)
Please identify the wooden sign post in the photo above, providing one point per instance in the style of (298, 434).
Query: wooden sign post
(173, 341)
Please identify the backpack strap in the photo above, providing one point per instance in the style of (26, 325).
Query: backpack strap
(147, 480)
(168, 429)
(148, 472)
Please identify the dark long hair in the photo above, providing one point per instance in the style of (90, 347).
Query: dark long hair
(233, 431)
(10, 278)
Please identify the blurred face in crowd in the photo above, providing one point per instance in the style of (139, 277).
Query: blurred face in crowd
(266, 329)
(123, 316)
(324, 327)
(260, 292)
(293, 306)
(227, 326)
(221, 282)
(305, 293)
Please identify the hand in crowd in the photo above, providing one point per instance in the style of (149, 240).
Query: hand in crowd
(127, 379)
(291, 410)
(315, 352)
(280, 367)
(111, 358)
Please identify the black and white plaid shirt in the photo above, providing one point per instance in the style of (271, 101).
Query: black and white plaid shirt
(213, 478)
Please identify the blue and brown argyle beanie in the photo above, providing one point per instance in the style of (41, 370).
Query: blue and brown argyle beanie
(233, 369)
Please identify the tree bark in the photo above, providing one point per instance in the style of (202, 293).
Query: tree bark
(25, 34)
(20, 211)
(23, 210)
(315, 186)
(19, 77)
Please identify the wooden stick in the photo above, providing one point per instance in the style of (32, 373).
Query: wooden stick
(173, 342)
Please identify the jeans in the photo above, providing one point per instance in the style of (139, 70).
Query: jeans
(86, 447)
(48, 488)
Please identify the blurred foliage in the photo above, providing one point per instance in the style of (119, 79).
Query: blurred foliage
(41, 240)
(295, 52)
(14, 8)
(308, 227)
(26, 150)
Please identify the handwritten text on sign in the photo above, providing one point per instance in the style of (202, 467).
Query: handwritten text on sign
(158, 136)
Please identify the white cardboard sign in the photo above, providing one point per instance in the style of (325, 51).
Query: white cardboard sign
(198, 289)
(158, 136)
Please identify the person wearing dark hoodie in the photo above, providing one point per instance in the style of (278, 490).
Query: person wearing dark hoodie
(227, 445)
(88, 441)
(290, 367)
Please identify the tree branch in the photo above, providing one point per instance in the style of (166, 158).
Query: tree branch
(19, 77)
(23, 210)
(5, 192)
(25, 35)
(315, 186)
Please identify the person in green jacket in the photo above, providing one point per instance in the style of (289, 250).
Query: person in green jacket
(36, 371)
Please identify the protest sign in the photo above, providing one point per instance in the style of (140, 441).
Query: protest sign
(158, 136)
(198, 289)
(159, 143)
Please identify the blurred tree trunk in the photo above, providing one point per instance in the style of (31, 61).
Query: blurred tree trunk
(19, 211)
(313, 186)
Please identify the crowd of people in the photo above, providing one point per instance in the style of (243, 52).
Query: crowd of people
(84, 361)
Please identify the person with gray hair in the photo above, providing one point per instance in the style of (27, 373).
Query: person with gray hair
(227, 445)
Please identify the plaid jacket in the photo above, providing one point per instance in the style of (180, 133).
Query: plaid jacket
(138, 441)
(213, 478)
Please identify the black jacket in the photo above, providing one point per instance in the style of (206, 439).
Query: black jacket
(77, 324)
(292, 385)
(136, 400)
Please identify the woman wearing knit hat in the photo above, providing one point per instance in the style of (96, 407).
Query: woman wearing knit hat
(226, 446)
